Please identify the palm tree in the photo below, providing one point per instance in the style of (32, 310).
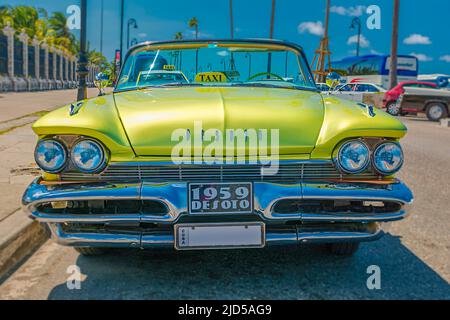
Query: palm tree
(193, 23)
(62, 35)
(20, 18)
(178, 36)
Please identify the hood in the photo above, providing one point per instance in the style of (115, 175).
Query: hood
(151, 117)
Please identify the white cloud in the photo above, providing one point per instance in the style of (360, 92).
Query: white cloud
(222, 53)
(372, 51)
(202, 35)
(417, 39)
(363, 42)
(315, 28)
(142, 35)
(421, 57)
(445, 58)
(339, 10)
(356, 11)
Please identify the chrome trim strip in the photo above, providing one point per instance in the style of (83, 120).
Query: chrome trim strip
(288, 170)
(93, 239)
(293, 236)
(174, 196)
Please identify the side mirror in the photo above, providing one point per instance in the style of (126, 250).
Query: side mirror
(101, 81)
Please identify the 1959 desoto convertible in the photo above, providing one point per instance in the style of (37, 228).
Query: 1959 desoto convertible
(217, 144)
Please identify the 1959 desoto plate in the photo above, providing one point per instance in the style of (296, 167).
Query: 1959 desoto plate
(217, 144)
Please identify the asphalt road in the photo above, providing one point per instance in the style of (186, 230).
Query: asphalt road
(414, 258)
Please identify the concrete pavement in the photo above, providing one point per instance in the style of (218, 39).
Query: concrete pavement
(18, 104)
(414, 258)
(18, 234)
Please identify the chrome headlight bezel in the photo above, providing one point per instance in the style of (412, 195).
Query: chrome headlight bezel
(64, 152)
(102, 163)
(339, 157)
(377, 148)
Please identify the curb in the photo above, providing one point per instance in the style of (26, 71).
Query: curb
(20, 237)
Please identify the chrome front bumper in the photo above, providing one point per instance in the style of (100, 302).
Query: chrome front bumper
(174, 197)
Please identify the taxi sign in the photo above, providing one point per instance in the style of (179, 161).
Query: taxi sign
(170, 67)
(211, 77)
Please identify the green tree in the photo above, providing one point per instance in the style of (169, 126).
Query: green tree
(178, 36)
(193, 23)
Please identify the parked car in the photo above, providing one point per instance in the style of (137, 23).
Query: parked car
(221, 162)
(433, 102)
(323, 87)
(368, 93)
(390, 97)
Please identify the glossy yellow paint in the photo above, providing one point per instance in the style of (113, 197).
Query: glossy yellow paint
(151, 116)
(137, 125)
(96, 118)
(344, 119)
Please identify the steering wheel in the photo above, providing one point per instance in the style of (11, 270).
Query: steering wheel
(265, 73)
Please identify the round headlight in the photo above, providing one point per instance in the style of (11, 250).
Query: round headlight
(388, 158)
(50, 155)
(88, 156)
(353, 157)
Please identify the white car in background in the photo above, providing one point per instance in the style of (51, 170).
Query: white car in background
(368, 93)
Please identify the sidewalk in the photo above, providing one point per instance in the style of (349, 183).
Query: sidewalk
(18, 104)
(18, 234)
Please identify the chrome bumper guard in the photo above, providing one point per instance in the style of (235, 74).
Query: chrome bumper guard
(174, 197)
(163, 240)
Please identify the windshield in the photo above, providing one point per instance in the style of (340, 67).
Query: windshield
(215, 64)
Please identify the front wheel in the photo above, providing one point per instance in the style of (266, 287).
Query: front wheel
(343, 248)
(90, 251)
(393, 108)
(436, 111)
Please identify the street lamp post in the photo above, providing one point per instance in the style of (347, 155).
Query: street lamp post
(122, 4)
(131, 23)
(83, 59)
(356, 23)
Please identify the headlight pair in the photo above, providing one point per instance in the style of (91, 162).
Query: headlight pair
(86, 155)
(354, 157)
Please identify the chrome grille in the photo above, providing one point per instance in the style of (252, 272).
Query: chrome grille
(287, 172)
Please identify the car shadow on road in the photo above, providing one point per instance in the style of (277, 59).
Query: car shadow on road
(306, 272)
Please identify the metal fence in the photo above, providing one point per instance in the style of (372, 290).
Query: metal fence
(42, 62)
(50, 66)
(35, 65)
(3, 54)
(31, 62)
(18, 58)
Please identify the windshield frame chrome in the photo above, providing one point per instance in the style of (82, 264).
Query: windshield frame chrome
(272, 42)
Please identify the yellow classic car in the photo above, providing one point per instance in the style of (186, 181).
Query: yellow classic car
(241, 151)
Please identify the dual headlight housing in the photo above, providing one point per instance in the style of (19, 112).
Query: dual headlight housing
(86, 155)
(355, 156)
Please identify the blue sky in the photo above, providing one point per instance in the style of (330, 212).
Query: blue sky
(423, 24)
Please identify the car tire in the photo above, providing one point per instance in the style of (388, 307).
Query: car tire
(90, 251)
(436, 111)
(393, 109)
(343, 248)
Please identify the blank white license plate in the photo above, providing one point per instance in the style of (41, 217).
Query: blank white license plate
(219, 236)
